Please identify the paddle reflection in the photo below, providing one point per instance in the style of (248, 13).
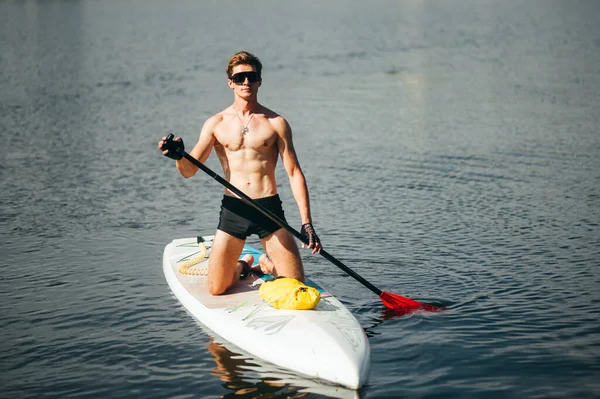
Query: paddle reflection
(246, 377)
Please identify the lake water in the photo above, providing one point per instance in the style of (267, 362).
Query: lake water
(452, 153)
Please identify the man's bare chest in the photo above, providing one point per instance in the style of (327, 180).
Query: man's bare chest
(260, 137)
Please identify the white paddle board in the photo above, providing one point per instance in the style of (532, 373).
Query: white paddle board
(326, 343)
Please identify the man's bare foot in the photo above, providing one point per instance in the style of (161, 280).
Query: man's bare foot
(266, 265)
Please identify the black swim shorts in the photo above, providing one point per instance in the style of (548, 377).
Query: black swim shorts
(241, 220)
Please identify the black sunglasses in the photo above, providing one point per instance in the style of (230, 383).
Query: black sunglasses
(240, 77)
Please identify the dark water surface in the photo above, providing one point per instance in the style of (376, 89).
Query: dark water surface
(452, 153)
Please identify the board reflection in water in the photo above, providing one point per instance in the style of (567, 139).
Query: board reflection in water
(246, 377)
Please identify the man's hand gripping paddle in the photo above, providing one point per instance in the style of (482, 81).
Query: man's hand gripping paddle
(397, 303)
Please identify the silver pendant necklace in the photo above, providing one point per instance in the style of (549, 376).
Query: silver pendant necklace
(245, 129)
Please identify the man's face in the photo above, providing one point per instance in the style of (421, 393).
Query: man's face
(247, 80)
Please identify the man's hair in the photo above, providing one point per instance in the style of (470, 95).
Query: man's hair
(243, 58)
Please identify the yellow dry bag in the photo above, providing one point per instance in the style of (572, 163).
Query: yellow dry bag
(289, 293)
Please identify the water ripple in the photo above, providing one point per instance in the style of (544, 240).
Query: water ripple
(455, 164)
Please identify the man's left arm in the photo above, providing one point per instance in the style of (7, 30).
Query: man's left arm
(297, 182)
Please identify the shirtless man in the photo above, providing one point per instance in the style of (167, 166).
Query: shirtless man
(248, 139)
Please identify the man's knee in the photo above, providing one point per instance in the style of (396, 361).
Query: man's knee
(216, 287)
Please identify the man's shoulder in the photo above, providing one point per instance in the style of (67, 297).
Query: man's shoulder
(218, 117)
(270, 114)
(277, 120)
(215, 119)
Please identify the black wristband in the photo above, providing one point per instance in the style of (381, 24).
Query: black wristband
(308, 231)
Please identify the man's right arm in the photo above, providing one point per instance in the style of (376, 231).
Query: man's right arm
(201, 150)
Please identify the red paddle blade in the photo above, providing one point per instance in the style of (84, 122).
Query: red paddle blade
(402, 304)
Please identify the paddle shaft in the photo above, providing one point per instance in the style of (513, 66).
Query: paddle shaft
(277, 220)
